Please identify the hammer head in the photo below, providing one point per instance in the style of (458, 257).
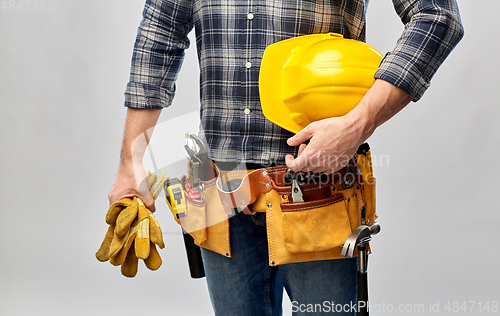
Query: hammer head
(374, 227)
(360, 236)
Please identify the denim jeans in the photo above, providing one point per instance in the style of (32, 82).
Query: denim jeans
(245, 284)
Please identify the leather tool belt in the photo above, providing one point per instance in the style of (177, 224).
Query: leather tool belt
(316, 229)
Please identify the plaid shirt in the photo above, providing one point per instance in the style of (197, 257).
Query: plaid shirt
(231, 37)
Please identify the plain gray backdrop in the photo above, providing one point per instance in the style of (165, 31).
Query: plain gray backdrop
(64, 68)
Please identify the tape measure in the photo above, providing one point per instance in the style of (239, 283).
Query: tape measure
(176, 200)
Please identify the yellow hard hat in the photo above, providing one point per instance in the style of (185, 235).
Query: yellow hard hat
(312, 77)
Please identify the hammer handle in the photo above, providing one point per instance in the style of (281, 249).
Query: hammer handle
(362, 294)
(194, 257)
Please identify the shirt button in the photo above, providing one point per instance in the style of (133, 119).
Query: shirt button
(248, 65)
(250, 16)
(246, 111)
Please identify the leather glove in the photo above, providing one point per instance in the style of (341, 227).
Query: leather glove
(153, 261)
(142, 237)
(133, 233)
(103, 253)
(148, 235)
(127, 206)
(129, 265)
(120, 245)
(138, 243)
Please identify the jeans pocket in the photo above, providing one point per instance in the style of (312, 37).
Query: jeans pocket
(315, 226)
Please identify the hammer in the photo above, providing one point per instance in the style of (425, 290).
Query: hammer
(360, 238)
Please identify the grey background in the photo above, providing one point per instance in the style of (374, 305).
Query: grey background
(64, 67)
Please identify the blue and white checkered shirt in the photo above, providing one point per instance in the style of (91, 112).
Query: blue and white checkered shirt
(231, 37)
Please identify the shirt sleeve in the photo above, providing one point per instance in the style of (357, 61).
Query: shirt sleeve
(432, 29)
(158, 53)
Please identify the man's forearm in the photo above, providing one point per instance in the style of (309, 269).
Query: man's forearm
(131, 179)
(139, 127)
(379, 104)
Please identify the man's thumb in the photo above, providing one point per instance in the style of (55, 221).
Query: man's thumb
(300, 137)
(149, 202)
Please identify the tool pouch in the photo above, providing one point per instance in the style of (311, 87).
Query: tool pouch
(309, 231)
(364, 160)
(315, 226)
(296, 232)
(206, 220)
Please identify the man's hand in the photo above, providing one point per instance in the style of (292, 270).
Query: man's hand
(131, 179)
(334, 141)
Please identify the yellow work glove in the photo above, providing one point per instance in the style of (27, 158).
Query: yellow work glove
(116, 208)
(121, 245)
(138, 243)
(149, 236)
(103, 253)
(155, 184)
(127, 206)
(133, 233)
(128, 258)
(142, 236)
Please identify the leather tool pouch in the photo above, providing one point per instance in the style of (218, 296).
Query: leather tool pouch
(315, 226)
(206, 220)
(296, 232)
(309, 231)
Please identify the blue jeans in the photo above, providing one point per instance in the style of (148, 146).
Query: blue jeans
(246, 285)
